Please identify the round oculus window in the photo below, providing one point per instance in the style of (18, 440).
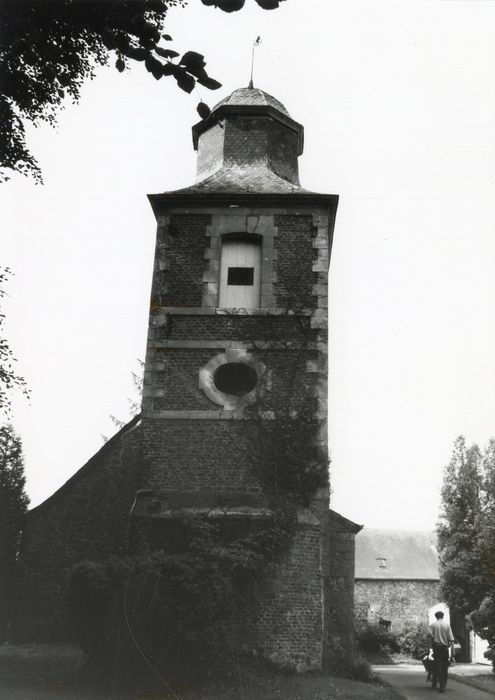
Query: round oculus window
(235, 378)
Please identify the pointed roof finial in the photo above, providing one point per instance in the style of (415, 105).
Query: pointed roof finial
(256, 42)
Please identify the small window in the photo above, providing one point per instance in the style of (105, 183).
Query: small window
(235, 378)
(382, 562)
(241, 276)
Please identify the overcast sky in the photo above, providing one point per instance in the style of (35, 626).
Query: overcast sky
(398, 103)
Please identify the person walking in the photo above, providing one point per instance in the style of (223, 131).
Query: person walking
(441, 642)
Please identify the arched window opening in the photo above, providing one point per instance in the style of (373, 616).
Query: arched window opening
(240, 274)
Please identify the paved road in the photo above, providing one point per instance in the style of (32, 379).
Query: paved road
(409, 681)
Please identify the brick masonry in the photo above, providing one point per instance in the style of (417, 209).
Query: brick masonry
(178, 259)
(285, 620)
(87, 518)
(295, 258)
(281, 620)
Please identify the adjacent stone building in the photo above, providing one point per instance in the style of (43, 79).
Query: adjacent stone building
(238, 320)
(397, 580)
(398, 583)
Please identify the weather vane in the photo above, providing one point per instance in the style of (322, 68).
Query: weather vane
(256, 43)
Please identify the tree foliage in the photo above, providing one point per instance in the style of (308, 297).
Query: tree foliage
(466, 536)
(134, 401)
(9, 379)
(48, 49)
(13, 507)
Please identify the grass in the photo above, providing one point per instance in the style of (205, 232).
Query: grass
(485, 681)
(45, 671)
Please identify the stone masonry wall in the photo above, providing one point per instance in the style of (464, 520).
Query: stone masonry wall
(338, 545)
(398, 601)
(86, 519)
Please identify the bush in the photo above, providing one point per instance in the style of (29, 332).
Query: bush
(91, 587)
(412, 639)
(374, 639)
(360, 669)
(169, 610)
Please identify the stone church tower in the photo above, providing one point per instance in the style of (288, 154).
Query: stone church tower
(239, 311)
(237, 335)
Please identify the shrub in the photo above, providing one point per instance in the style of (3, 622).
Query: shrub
(374, 639)
(91, 587)
(169, 609)
(412, 639)
(360, 669)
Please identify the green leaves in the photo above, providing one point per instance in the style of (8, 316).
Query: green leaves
(193, 61)
(154, 67)
(49, 49)
(225, 5)
(185, 81)
(269, 4)
(236, 5)
(466, 534)
(165, 53)
(203, 110)
(13, 507)
(137, 53)
(209, 83)
(9, 379)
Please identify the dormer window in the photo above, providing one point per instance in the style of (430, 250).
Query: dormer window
(240, 274)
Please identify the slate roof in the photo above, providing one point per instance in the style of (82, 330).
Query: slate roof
(249, 178)
(253, 175)
(251, 96)
(407, 554)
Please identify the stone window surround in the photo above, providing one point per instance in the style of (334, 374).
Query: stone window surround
(243, 226)
(228, 401)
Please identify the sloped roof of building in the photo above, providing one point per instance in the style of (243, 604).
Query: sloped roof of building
(92, 463)
(396, 554)
(249, 96)
(244, 179)
(339, 522)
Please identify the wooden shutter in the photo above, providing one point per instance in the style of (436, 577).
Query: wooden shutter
(240, 275)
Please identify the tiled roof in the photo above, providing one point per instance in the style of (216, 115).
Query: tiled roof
(251, 96)
(396, 554)
(250, 178)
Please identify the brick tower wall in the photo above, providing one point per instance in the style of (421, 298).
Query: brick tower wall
(196, 454)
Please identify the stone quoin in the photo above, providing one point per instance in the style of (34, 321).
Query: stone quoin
(239, 295)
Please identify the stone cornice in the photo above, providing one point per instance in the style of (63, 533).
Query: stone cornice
(197, 200)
